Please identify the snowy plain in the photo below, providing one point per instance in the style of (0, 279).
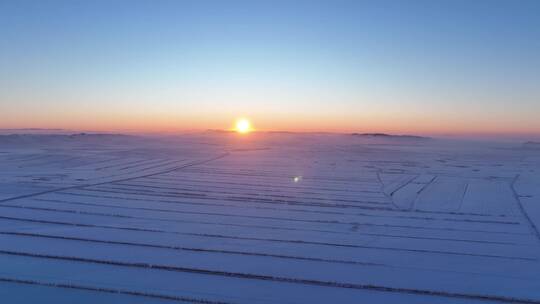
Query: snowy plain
(218, 217)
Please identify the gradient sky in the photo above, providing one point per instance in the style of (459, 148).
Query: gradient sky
(383, 66)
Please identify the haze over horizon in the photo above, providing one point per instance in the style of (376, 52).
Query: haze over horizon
(420, 67)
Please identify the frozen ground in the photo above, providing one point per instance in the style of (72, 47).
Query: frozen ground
(268, 218)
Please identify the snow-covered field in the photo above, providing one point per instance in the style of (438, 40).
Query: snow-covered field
(268, 218)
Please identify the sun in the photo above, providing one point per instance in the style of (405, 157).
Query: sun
(243, 126)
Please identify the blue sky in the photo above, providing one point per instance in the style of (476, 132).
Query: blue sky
(389, 66)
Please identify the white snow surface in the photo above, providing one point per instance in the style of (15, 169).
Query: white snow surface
(218, 217)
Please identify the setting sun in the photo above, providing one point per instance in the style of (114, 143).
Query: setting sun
(243, 126)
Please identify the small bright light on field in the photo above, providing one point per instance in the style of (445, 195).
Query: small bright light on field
(296, 179)
(243, 126)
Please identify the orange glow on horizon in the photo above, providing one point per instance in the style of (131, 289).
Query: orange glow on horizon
(359, 123)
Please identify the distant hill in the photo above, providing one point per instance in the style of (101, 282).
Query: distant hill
(531, 145)
(389, 136)
(52, 139)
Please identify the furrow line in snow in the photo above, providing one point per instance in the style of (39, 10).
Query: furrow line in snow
(251, 276)
(236, 191)
(338, 181)
(202, 213)
(118, 180)
(361, 215)
(94, 163)
(348, 223)
(220, 236)
(119, 190)
(409, 215)
(362, 233)
(123, 164)
(192, 249)
(198, 182)
(532, 225)
(217, 194)
(151, 198)
(243, 187)
(168, 220)
(149, 162)
(181, 299)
